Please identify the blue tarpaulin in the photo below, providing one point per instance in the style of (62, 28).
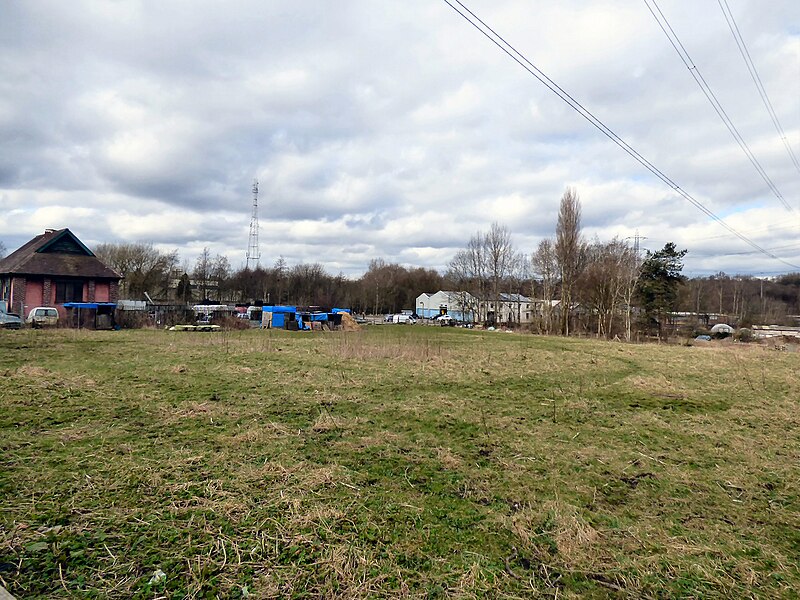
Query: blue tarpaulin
(280, 309)
(90, 304)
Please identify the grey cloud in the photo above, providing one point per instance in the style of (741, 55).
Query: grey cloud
(355, 119)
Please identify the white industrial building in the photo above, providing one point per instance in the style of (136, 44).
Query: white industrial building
(462, 306)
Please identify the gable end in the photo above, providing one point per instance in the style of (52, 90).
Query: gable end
(65, 243)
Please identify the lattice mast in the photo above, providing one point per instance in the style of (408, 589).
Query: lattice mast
(253, 249)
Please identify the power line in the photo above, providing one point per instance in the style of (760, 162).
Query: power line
(792, 246)
(766, 228)
(751, 67)
(532, 69)
(665, 26)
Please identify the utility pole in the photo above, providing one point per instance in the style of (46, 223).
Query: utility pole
(253, 250)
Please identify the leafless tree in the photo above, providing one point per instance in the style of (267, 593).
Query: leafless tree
(202, 272)
(502, 259)
(570, 251)
(468, 270)
(279, 270)
(143, 267)
(631, 271)
(487, 263)
(545, 268)
(2, 249)
(221, 273)
(604, 280)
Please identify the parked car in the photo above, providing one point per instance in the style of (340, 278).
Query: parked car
(445, 321)
(10, 320)
(42, 316)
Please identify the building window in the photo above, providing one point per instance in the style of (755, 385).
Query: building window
(69, 291)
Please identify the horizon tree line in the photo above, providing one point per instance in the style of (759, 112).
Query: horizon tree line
(603, 284)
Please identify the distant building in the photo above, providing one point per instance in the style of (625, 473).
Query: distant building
(510, 309)
(53, 269)
(462, 306)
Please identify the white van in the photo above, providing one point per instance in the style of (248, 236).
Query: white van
(42, 316)
(403, 319)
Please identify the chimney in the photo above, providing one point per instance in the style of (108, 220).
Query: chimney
(49, 230)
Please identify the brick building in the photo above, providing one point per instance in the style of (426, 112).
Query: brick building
(53, 269)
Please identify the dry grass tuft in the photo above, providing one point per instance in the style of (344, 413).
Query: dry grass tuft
(576, 539)
(34, 371)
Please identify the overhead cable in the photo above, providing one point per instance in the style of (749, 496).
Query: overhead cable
(532, 69)
(751, 67)
(665, 26)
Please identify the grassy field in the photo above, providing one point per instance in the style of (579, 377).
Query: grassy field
(395, 462)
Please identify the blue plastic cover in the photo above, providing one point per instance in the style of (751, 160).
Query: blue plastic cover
(279, 309)
(89, 304)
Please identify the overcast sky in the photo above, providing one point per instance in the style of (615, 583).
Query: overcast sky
(392, 129)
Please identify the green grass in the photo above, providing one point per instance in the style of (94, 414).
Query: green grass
(394, 462)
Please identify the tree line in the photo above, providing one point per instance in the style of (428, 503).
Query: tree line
(147, 271)
(579, 285)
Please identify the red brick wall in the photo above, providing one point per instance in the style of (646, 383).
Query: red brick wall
(17, 295)
(34, 294)
(101, 292)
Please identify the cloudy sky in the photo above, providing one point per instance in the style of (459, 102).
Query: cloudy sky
(392, 129)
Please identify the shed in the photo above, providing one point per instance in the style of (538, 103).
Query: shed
(90, 315)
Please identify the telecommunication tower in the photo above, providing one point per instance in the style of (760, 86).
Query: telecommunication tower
(253, 250)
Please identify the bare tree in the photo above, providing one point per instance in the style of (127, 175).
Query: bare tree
(570, 250)
(465, 280)
(2, 249)
(631, 271)
(502, 259)
(488, 262)
(143, 267)
(221, 273)
(280, 270)
(604, 280)
(469, 272)
(545, 267)
(202, 272)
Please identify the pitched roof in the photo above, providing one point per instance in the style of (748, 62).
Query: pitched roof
(58, 253)
(513, 298)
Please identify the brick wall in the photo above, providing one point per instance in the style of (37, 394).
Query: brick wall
(47, 292)
(18, 295)
(90, 294)
(113, 291)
